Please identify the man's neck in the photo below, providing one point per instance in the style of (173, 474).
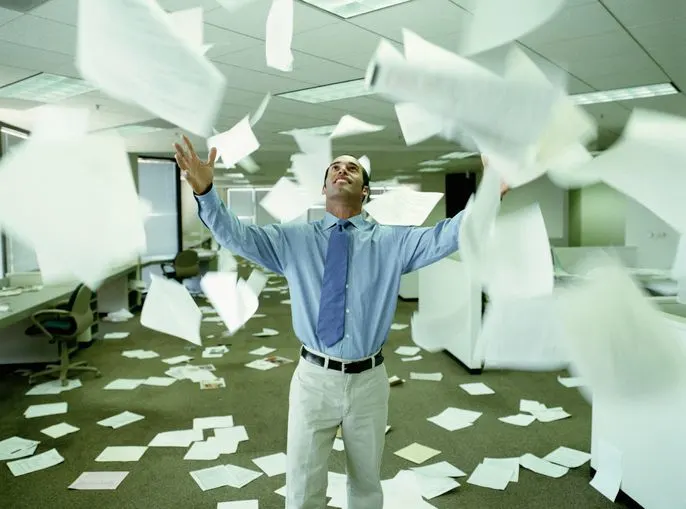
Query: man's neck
(343, 210)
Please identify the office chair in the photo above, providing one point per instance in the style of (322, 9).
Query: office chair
(186, 264)
(64, 326)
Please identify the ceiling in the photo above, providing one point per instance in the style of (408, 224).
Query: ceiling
(599, 44)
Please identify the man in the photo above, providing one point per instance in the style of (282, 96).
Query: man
(344, 274)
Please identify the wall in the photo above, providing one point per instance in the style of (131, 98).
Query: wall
(597, 216)
(655, 240)
(434, 183)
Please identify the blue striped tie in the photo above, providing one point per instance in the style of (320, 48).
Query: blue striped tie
(331, 324)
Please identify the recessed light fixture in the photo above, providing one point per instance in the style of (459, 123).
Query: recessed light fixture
(134, 129)
(332, 92)
(625, 94)
(322, 130)
(349, 8)
(46, 88)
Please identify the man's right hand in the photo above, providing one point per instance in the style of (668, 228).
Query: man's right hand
(199, 174)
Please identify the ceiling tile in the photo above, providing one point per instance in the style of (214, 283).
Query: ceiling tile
(628, 78)
(7, 15)
(259, 82)
(25, 57)
(356, 51)
(40, 33)
(64, 11)
(573, 22)
(177, 5)
(667, 34)
(629, 70)
(10, 75)
(672, 104)
(252, 19)
(611, 44)
(225, 41)
(306, 68)
(427, 18)
(636, 13)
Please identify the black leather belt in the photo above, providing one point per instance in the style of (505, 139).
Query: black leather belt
(345, 367)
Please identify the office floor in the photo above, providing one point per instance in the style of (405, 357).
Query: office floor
(258, 400)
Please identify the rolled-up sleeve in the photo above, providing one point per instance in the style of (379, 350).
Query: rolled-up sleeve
(264, 245)
(422, 246)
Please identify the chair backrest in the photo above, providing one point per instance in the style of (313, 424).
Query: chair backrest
(187, 264)
(80, 308)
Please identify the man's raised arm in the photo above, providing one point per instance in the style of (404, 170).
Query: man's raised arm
(262, 245)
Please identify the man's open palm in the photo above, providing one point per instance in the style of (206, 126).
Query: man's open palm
(199, 174)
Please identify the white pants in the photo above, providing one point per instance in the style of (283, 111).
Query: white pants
(320, 400)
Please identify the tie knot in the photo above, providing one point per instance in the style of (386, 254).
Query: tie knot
(343, 223)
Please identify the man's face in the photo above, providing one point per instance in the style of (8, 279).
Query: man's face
(344, 178)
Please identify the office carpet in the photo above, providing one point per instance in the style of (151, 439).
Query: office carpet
(258, 400)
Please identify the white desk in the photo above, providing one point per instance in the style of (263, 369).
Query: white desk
(446, 289)
(650, 434)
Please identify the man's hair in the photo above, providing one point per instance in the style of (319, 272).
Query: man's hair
(365, 180)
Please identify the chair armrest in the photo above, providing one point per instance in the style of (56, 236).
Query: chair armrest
(167, 265)
(47, 312)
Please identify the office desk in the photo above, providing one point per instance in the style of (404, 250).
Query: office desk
(22, 306)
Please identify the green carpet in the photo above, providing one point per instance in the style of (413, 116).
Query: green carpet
(259, 401)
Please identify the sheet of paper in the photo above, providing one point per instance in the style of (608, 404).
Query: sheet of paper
(399, 326)
(417, 453)
(265, 333)
(159, 381)
(366, 164)
(222, 421)
(259, 112)
(608, 477)
(122, 419)
(410, 359)
(432, 487)
(571, 381)
(402, 207)
(34, 463)
(239, 476)
(211, 478)
(511, 464)
(98, 481)
(45, 410)
(274, 464)
(217, 383)
(440, 469)
(286, 200)
(177, 360)
(650, 140)
(279, 36)
(155, 68)
(401, 491)
(235, 144)
(236, 433)
(622, 364)
(570, 458)
(16, 447)
(531, 406)
(518, 420)
(189, 25)
(140, 354)
(57, 227)
(233, 299)
(552, 414)
(170, 309)
(307, 168)
(124, 384)
(239, 504)
(257, 281)
(453, 418)
(494, 24)
(490, 475)
(349, 126)
(520, 263)
(416, 123)
(432, 332)
(206, 451)
(54, 387)
(477, 389)
(116, 335)
(178, 438)
(338, 444)
(121, 453)
(541, 466)
(59, 430)
(262, 351)
(407, 350)
(432, 377)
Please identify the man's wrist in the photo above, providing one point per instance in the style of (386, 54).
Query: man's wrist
(207, 190)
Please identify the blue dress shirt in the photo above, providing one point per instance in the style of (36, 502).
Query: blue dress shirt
(379, 255)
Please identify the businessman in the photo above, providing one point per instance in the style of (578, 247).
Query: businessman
(344, 274)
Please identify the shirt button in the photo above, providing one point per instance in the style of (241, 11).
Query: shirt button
(347, 311)
(347, 336)
(347, 286)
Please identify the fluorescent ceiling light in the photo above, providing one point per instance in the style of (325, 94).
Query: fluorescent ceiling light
(231, 175)
(46, 88)
(430, 169)
(625, 94)
(350, 8)
(459, 155)
(322, 130)
(134, 129)
(434, 162)
(332, 92)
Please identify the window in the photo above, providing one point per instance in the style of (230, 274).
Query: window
(158, 183)
(19, 256)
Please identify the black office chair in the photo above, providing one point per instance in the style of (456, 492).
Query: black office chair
(64, 326)
(186, 264)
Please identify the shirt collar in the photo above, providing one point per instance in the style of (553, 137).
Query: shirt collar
(357, 221)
